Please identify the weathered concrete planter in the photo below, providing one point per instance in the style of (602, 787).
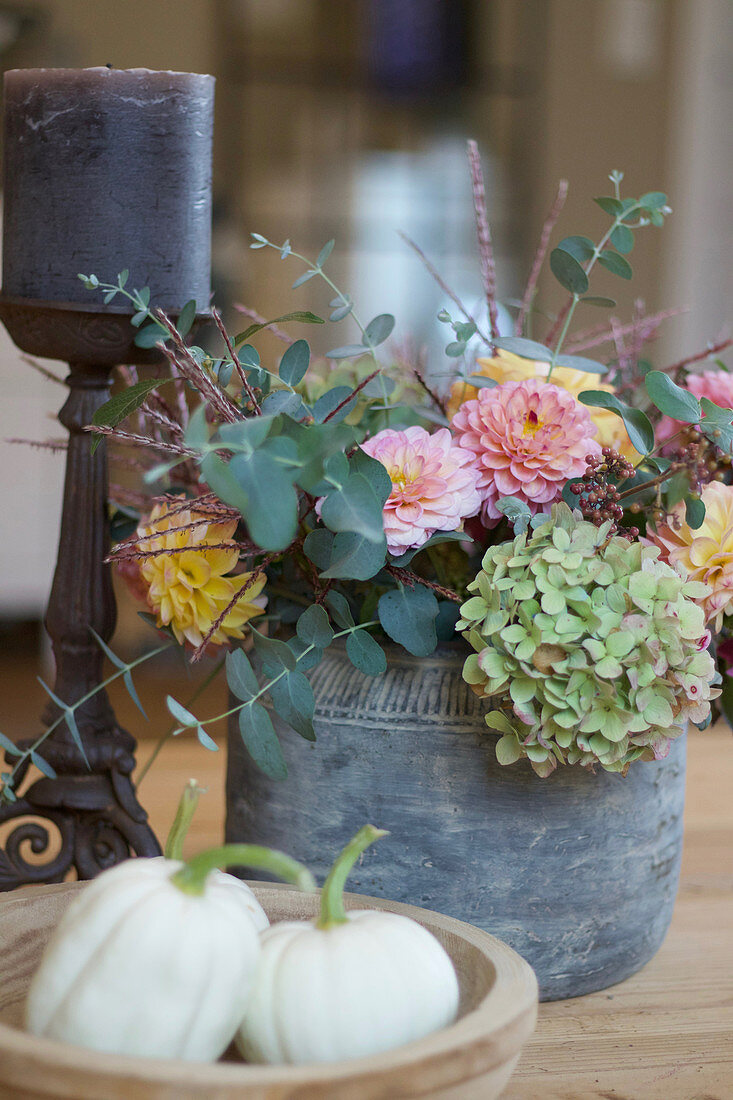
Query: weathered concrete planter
(577, 872)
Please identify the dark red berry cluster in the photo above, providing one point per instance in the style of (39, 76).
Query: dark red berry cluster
(597, 491)
(703, 461)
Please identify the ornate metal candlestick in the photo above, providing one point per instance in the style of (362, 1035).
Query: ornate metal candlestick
(103, 169)
(94, 808)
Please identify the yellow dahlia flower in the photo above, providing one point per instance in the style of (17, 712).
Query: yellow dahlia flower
(707, 553)
(507, 367)
(187, 588)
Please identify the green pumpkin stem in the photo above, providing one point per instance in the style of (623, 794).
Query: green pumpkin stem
(182, 821)
(332, 895)
(191, 878)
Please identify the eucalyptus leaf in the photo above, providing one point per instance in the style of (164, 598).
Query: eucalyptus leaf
(348, 351)
(408, 616)
(579, 362)
(318, 546)
(240, 675)
(638, 425)
(269, 498)
(598, 300)
(379, 329)
(616, 264)
(186, 317)
(151, 335)
(314, 628)
(341, 311)
(580, 248)
(528, 349)
(205, 740)
(653, 200)
(292, 698)
(273, 653)
(374, 471)
(671, 399)
(325, 252)
(365, 653)
(8, 746)
(716, 425)
(43, 765)
(286, 402)
(340, 609)
(304, 278)
(609, 205)
(622, 239)
(180, 713)
(568, 271)
(694, 512)
(354, 557)
(326, 405)
(354, 508)
(260, 740)
(294, 363)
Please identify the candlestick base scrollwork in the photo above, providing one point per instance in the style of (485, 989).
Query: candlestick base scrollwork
(92, 803)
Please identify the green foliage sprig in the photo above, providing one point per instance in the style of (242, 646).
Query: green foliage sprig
(31, 755)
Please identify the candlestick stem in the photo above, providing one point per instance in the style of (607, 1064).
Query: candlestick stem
(92, 802)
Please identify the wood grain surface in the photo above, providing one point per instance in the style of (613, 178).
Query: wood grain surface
(664, 1034)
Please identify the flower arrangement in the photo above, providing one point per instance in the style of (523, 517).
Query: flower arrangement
(567, 515)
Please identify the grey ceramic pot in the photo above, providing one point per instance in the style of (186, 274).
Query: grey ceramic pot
(578, 872)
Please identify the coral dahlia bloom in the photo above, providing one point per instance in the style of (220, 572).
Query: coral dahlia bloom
(505, 366)
(529, 438)
(716, 385)
(707, 553)
(188, 588)
(434, 485)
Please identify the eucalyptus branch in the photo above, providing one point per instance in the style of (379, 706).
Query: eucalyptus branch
(620, 218)
(172, 728)
(275, 679)
(124, 670)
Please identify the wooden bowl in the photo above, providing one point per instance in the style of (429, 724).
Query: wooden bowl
(473, 1058)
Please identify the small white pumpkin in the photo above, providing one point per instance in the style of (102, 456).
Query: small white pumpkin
(347, 985)
(156, 957)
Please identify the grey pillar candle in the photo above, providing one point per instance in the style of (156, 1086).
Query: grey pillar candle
(107, 169)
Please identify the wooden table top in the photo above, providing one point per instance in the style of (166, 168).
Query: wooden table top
(664, 1034)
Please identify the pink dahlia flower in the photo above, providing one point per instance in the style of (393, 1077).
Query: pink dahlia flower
(433, 485)
(716, 385)
(528, 438)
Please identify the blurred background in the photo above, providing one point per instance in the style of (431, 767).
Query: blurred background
(349, 119)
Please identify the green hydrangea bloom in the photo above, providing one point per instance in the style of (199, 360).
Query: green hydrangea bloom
(591, 650)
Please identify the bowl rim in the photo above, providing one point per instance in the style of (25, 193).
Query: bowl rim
(507, 1011)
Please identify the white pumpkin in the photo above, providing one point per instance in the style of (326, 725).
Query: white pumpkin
(155, 958)
(347, 986)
